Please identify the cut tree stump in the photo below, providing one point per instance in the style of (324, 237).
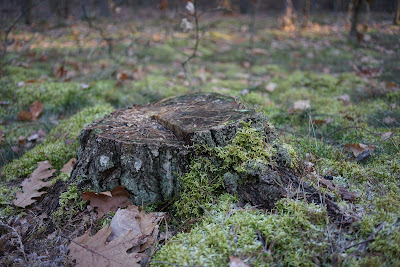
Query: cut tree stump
(146, 149)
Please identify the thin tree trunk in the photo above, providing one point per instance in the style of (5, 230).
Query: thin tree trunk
(354, 19)
(396, 20)
(26, 9)
(104, 8)
(244, 6)
(307, 13)
(65, 8)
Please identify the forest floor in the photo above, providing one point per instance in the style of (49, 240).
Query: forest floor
(335, 102)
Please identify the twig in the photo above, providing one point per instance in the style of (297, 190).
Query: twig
(19, 239)
(194, 52)
(363, 244)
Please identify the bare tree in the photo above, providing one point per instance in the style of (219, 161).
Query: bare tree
(356, 7)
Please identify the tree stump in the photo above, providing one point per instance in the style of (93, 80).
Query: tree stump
(146, 149)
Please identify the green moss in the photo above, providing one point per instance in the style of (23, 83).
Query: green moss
(294, 235)
(54, 147)
(205, 179)
(70, 203)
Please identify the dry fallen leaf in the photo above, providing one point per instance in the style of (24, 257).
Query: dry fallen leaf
(33, 114)
(301, 105)
(389, 120)
(84, 86)
(357, 149)
(1, 137)
(345, 98)
(236, 262)
(131, 219)
(108, 201)
(60, 71)
(25, 115)
(67, 168)
(33, 184)
(386, 135)
(259, 51)
(271, 87)
(95, 251)
(21, 140)
(326, 183)
(351, 196)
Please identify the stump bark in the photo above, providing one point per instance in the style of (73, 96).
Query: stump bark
(146, 149)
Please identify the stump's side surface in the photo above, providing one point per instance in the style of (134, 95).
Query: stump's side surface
(145, 148)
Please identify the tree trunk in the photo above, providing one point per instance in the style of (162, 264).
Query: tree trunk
(307, 13)
(26, 9)
(146, 149)
(396, 20)
(104, 8)
(244, 6)
(354, 19)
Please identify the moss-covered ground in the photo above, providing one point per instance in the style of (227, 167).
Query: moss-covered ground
(350, 94)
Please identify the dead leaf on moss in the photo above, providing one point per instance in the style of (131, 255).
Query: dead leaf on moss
(326, 183)
(20, 84)
(33, 114)
(67, 168)
(21, 140)
(386, 135)
(95, 251)
(270, 87)
(357, 149)
(346, 195)
(108, 201)
(301, 105)
(131, 219)
(60, 71)
(236, 262)
(389, 120)
(33, 184)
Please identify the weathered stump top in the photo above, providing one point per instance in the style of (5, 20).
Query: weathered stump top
(173, 120)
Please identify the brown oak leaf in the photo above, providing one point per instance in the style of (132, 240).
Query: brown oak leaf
(131, 219)
(67, 168)
(33, 114)
(33, 184)
(95, 251)
(357, 149)
(108, 201)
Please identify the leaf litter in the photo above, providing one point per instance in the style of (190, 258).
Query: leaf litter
(124, 243)
(108, 201)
